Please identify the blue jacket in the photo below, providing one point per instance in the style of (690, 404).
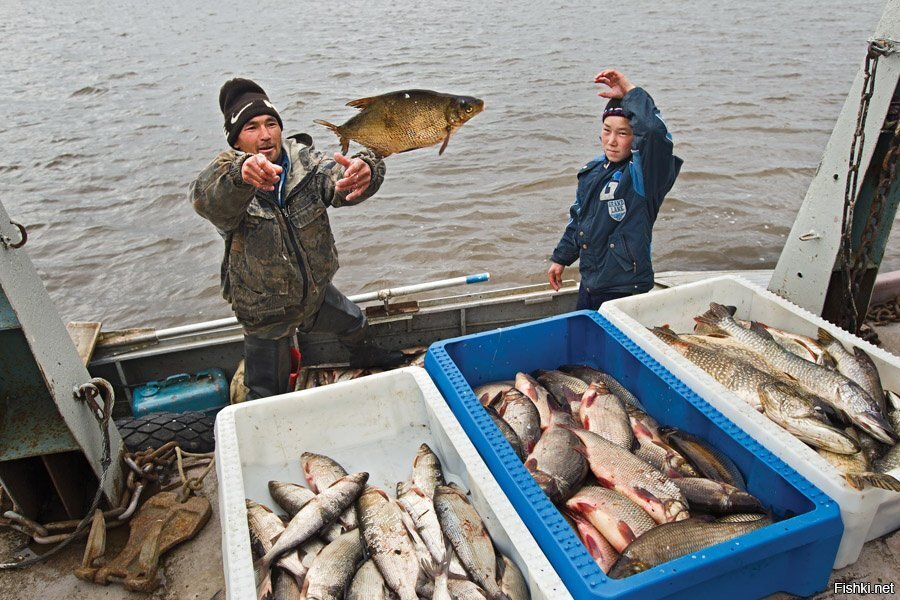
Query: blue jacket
(611, 222)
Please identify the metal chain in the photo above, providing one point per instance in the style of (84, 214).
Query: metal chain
(854, 265)
(144, 469)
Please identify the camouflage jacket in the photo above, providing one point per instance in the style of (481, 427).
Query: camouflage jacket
(278, 261)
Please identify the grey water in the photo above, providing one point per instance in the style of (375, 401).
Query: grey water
(111, 109)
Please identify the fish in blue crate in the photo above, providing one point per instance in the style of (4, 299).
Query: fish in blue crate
(636, 493)
(347, 540)
(827, 396)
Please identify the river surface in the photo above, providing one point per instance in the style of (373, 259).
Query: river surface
(111, 109)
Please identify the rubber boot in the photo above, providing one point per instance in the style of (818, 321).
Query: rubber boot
(267, 366)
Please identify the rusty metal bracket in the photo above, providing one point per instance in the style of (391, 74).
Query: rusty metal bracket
(23, 235)
(161, 523)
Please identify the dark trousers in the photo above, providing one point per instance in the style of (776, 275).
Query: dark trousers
(592, 300)
(267, 362)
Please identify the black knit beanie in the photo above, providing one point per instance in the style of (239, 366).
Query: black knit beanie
(614, 109)
(241, 100)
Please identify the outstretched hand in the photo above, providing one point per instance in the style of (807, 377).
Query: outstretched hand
(259, 172)
(357, 175)
(617, 82)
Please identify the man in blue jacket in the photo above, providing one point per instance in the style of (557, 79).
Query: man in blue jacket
(618, 197)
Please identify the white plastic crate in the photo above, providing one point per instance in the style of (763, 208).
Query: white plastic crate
(868, 514)
(374, 424)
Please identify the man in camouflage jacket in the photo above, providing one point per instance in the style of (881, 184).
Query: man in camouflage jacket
(268, 198)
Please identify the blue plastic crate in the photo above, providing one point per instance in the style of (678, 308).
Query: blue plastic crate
(206, 391)
(793, 555)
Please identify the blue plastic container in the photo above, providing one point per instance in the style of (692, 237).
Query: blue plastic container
(793, 555)
(206, 391)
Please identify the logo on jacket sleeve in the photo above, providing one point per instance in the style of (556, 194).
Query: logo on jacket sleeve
(616, 208)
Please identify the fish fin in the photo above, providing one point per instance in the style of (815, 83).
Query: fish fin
(731, 309)
(330, 126)
(761, 330)
(879, 480)
(444, 145)
(626, 531)
(362, 103)
(710, 320)
(668, 336)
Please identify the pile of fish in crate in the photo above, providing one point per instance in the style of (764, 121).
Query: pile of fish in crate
(638, 494)
(346, 539)
(367, 489)
(632, 484)
(817, 390)
(808, 391)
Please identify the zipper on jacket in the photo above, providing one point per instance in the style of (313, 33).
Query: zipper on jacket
(294, 245)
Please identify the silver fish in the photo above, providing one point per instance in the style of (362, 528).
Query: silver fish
(264, 527)
(618, 469)
(889, 461)
(798, 414)
(548, 407)
(290, 496)
(857, 470)
(508, 432)
(710, 461)
(557, 464)
(603, 553)
(388, 542)
(604, 413)
(618, 519)
(314, 515)
(663, 458)
(420, 508)
(567, 389)
(512, 583)
(646, 433)
(463, 526)
(368, 584)
(716, 497)
(522, 415)
(589, 375)
(333, 570)
(487, 393)
(842, 393)
(857, 366)
(285, 587)
(460, 589)
(427, 473)
(322, 471)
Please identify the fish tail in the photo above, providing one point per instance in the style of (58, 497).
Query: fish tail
(330, 126)
(878, 480)
(264, 575)
(345, 142)
(825, 338)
